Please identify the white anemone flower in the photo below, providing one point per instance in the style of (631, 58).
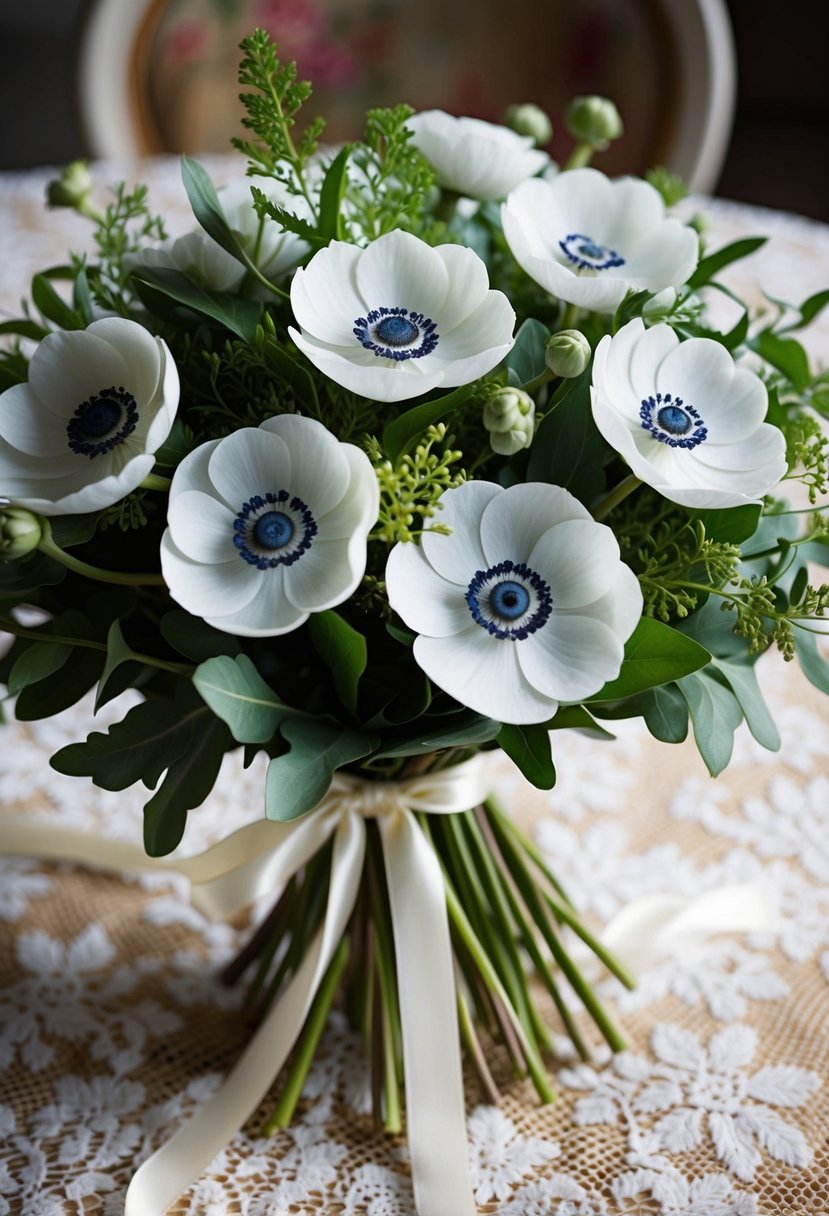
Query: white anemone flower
(84, 430)
(687, 420)
(589, 240)
(268, 525)
(196, 255)
(474, 158)
(399, 318)
(525, 604)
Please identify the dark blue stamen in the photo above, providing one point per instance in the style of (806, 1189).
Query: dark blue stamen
(100, 423)
(273, 530)
(494, 601)
(671, 421)
(392, 333)
(587, 254)
(259, 532)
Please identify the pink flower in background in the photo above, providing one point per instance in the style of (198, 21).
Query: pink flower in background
(293, 23)
(187, 40)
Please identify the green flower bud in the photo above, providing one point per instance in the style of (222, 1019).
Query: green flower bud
(72, 188)
(594, 121)
(531, 121)
(567, 353)
(509, 416)
(660, 306)
(20, 532)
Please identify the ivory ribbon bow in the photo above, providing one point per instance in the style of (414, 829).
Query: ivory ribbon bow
(261, 858)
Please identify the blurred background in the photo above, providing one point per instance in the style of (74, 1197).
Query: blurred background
(168, 68)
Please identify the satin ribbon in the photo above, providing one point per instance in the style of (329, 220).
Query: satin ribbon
(261, 858)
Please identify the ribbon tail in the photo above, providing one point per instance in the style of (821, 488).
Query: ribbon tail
(435, 1111)
(178, 1163)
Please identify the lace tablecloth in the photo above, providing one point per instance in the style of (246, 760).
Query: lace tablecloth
(113, 1025)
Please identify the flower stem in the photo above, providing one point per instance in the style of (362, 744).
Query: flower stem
(124, 578)
(612, 499)
(317, 1017)
(472, 1044)
(581, 155)
(153, 481)
(570, 317)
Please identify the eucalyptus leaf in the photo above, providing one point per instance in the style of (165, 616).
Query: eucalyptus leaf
(299, 779)
(815, 668)
(665, 711)
(237, 694)
(465, 729)
(730, 526)
(654, 654)
(576, 717)
(742, 681)
(529, 748)
(343, 650)
(716, 714)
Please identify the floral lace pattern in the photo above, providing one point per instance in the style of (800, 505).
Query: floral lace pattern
(114, 1025)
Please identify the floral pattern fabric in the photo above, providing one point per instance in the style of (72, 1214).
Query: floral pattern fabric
(114, 1024)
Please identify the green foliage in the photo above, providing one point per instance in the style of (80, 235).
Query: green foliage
(529, 748)
(715, 714)
(567, 449)
(670, 185)
(713, 263)
(344, 652)
(654, 654)
(273, 98)
(237, 694)
(390, 179)
(410, 489)
(299, 778)
(126, 227)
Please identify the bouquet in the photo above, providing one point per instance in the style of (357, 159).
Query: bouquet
(410, 451)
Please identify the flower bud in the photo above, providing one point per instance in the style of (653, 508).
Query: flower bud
(660, 306)
(509, 416)
(567, 353)
(20, 532)
(531, 121)
(72, 188)
(594, 121)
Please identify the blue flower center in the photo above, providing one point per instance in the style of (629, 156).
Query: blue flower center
(100, 423)
(509, 600)
(672, 422)
(273, 529)
(587, 254)
(396, 333)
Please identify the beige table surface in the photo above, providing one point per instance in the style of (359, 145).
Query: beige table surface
(113, 1026)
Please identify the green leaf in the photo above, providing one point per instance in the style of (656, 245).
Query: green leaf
(37, 662)
(732, 525)
(344, 652)
(730, 339)
(525, 360)
(331, 196)
(20, 580)
(814, 666)
(194, 638)
(286, 219)
(714, 262)
(529, 748)
(82, 297)
(400, 434)
(208, 210)
(630, 307)
(568, 449)
(714, 629)
(187, 783)
(787, 355)
(24, 328)
(666, 713)
(237, 694)
(178, 444)
(742, 681)
(70, 530)
(655, 654)
(49, 696)
(239, 315)
(52, 306)
(139, 748)
(118, 653)
(809, 309)
(576, 717)
(298, 780)
(467, 729)
(716, 714)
